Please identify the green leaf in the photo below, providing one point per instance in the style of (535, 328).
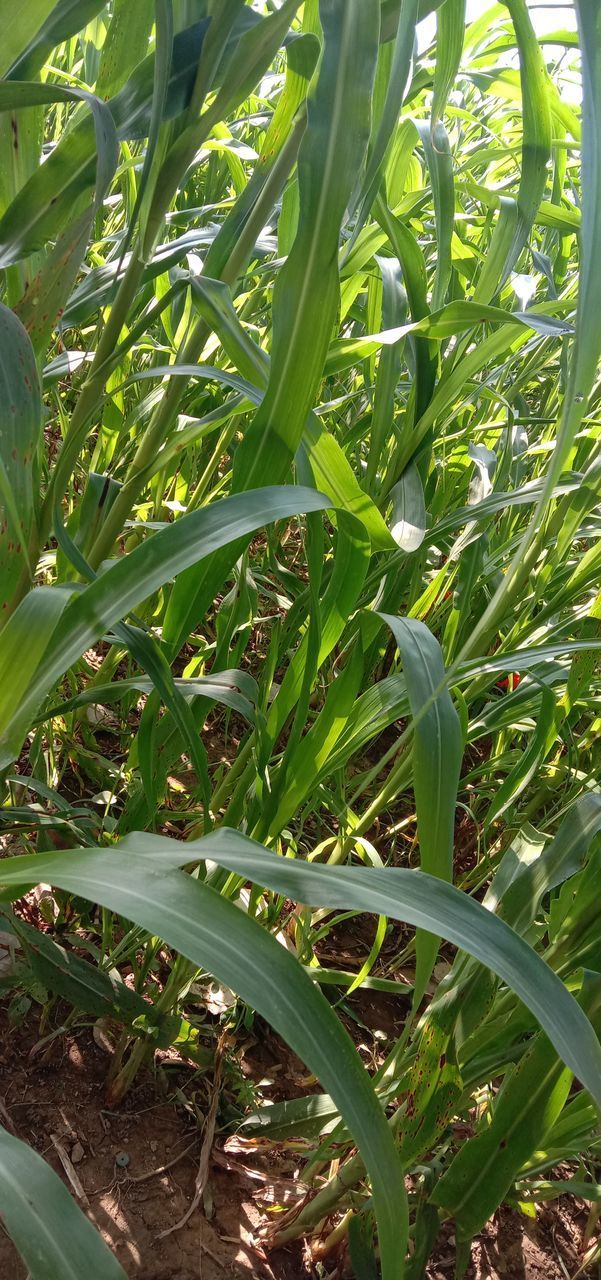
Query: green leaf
(406, 248)
(333, 474)
(431, 904)
(526, 767)
(215, 935)
(47, 200)
(43, 302)
(445, 323)
(253, 48)
(408, 521)
(394, 311)
(307, 288)
(235, 689)
(22, 644)
(337, 604)
(451, 388)
(490, 278)
(537, 128)
(296, 1116)
(525, 659)
(51, 1233)
(302, 52)
(21, 414)
(563, 857)
(390, 14)
(450, 30)
(437, 754)
(123, 586)
(588, 341)
(66, 19)
(43, 205)
(529, 1102)
(437, 151)
(314, 752)
(76, 980)
(132, 106)
(397, 84)
(18, 24)
(125, 45)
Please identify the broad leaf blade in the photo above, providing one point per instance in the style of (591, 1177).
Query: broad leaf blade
(18, 24)
(217, 936)
(437, 754)
(50, 1231)
(21, 415)
(430, 904)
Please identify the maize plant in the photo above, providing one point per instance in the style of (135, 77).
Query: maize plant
(300, 452)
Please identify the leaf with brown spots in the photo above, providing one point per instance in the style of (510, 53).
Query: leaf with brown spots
(20, 429)
(43, 303)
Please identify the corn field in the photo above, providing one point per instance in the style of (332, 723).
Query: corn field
(300, 606)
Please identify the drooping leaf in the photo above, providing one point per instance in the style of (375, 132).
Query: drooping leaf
(42, 206)
(438, 907)
(217, 936)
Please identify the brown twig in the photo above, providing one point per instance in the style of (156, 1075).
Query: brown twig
(162, 1168)
(207, 1146)
(69, 1169)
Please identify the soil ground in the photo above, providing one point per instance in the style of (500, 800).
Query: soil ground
(63, 1102)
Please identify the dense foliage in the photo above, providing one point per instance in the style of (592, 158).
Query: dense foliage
(299, 579)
